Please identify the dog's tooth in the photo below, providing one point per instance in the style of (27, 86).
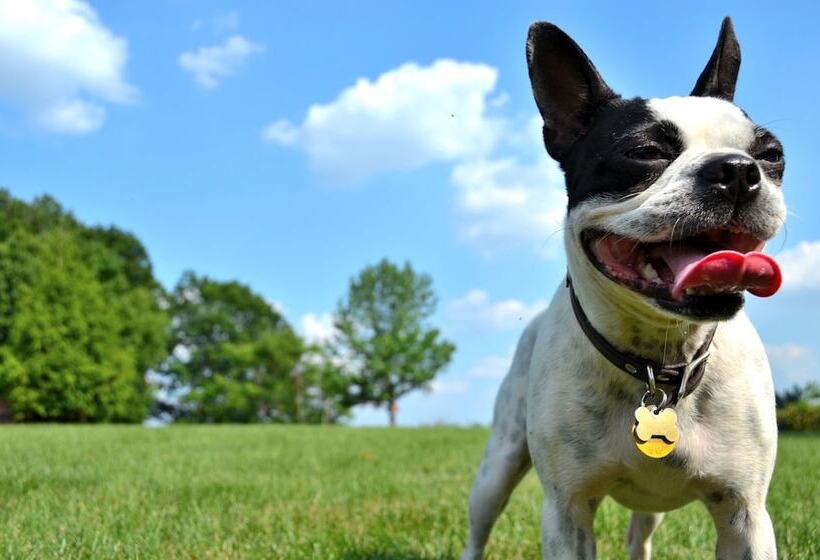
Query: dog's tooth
(690, 291)
(648, 272)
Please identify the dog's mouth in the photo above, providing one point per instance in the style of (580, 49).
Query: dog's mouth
(702, 275)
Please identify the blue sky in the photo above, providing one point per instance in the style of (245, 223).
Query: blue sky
(289, 144)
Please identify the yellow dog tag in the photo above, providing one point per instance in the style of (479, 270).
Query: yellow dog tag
(655, 432)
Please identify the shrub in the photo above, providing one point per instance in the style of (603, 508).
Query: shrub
(799, 417)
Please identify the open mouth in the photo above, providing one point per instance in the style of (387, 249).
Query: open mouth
(706, 273)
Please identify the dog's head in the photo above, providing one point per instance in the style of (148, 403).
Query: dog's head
(670, 200)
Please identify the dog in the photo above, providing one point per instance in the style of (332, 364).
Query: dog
(670, 202)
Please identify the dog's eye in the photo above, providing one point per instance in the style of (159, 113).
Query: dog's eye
(647, 153)
(772, 155)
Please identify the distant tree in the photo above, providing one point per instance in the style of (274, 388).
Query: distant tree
(128, 263)
(811, 391)
(78, 329)
(788, 396)
(124, 269)
(383, 335)
(321, 386)
(233, 357)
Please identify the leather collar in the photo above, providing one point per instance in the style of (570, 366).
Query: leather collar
(669, 377)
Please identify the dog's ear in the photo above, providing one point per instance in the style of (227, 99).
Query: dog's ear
(719, 77)
(566, 86)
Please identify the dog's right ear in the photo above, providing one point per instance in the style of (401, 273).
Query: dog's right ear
(566, 85)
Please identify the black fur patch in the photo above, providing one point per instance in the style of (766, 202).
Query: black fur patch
(598, 164)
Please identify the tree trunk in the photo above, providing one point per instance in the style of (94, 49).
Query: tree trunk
(5, 411)
(300, 397)
(392, 409)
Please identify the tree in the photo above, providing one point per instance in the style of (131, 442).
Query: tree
(788, 396)
(233, 357)
(796, 394)
(321, 386)
(811, 391)
(78, 331)
(383, 335)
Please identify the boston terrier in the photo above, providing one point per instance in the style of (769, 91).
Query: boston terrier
(644, 380)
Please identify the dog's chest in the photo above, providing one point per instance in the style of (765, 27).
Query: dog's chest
(633, 479)
(581, 410)
(583, 431)
(655, 486)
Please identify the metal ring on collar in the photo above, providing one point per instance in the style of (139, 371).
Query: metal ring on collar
(664, 398)
(650, 375)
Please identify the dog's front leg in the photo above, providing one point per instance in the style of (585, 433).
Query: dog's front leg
(639, 535)
(743, 527)
(566, 527)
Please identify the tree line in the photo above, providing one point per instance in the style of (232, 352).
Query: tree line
(88, 334)
(798, 408)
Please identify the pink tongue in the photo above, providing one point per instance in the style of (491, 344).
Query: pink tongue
(723, 271)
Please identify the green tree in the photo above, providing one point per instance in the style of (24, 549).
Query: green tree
(788, 396)
(233, 357)
(383, 335)
(321, 386)
(811, 391)
(78, 330)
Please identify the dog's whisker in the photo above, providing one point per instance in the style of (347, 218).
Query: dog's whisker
(554, 233)
(627, 196)
(672, 235)
(785, 236)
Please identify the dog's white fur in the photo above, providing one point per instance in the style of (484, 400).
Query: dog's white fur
(564, 409)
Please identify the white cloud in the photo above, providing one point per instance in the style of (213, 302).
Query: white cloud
(209, 65)
(448, 387)
(793, 364)
(512, 201)
(407, 117)
(72, 117)
(500, 100)
(508, 193)
(491, 367)
(476, 310)
(801, 266)
(60, 64)
(506, 203)
(281, 132)
(317, 328)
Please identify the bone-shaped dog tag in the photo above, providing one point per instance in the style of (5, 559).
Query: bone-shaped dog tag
(655, 432)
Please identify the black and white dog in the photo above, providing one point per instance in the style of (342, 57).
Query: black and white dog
(670, 203)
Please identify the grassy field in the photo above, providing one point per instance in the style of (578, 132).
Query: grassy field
(302, 492)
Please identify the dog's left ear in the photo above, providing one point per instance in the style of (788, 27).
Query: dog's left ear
(719, 78)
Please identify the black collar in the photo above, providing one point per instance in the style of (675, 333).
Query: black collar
(669, 377)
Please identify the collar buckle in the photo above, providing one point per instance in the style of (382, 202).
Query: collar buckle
(667, 375)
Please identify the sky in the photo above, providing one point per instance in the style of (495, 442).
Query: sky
(290, 144)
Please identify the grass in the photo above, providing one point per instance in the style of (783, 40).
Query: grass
(307, 492)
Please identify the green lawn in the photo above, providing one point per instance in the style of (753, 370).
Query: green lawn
(306, 492)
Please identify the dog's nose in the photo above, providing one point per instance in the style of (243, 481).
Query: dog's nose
(734, 176)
